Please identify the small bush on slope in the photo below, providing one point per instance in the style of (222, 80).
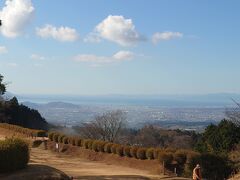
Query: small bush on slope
(14, 154)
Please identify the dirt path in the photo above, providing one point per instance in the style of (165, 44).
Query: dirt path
(84, 169)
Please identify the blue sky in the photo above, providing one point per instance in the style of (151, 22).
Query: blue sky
(93, 47)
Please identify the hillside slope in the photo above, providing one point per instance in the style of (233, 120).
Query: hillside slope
(80, 168)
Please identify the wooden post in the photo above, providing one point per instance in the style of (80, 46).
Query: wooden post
(163, 168)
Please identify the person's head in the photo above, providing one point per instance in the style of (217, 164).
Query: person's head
(198, 166)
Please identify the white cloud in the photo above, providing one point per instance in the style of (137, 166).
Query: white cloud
(63, 34)
(123, 55)
(37, 57)
(164, 36)
(99, 60)
(116, 29)
(15, 16)
(3, 50)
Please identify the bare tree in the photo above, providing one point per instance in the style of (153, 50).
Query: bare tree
(106, 127)
(234, 113)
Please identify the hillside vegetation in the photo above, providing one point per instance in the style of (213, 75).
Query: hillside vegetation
(14, 154)
(12, 112)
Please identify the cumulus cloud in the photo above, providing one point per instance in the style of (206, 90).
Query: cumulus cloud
(98, 60)
(15, 16)
(123, 55)
(116, 29)
(164, 36)
(64, 34)
(3, 50)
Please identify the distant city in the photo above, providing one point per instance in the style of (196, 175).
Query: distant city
(173, 112)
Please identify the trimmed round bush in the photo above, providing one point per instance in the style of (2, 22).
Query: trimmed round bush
(107, 147)
(165, 157)
(133, 151)
(119, 150)
(78, 141)
(41, 133)
(50, 135)
(84, 143)
(95, 145)
(170, 150)
(149, 153)
(87, 143)
(14, 154)
(180, 157)
(126, 151)
(156, 152)
(60, 138)
(65, 140)
(71, 140)
(36, 143)
(101, 145)
(114, 148)
(55, 137)
(141, 153)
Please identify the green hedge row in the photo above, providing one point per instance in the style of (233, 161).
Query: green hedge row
(24, 131)
(184, 160)
(14, 154)
(166, 155)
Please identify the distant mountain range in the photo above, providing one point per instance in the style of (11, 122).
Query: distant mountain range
(221, 99)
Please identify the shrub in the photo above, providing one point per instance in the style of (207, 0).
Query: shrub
(50, 136)
(141, 153)
(170, 150)
(60, 138)
(149, 153)
(215, 166)
(119, 150)
(84, 143)
(55, 137)
(101, 145)
(14, 154)
(36, 143)
(71, 140)
(41, 133)
(165, 157)
(78, 141)
(65, 140)
(87, 143)
(95, 145)
(133, 151)
(156, 151)
(126, 151)
(180, 156)
(114, 148)
(107, 147)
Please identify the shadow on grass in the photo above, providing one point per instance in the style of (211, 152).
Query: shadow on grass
(35, 172)
(114, 177)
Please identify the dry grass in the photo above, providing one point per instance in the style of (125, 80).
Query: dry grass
(85, 164)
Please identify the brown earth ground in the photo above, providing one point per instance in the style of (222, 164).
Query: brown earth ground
(84, 164)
